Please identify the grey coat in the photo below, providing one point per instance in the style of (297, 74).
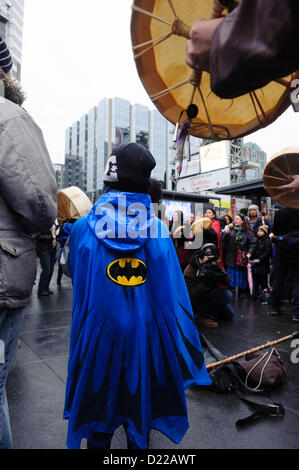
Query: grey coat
(28, 194)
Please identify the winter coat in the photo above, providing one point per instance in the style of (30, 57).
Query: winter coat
(230, 247)
(44, 241)
(262, 252)
(27, 202)
(216, 227)
(197, 288)
(210, 236)
(286, 221)
(255, 44)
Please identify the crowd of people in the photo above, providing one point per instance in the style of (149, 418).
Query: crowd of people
(258, 257)
(134, 348)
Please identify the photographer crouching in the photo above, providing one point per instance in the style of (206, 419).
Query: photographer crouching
(207, 285)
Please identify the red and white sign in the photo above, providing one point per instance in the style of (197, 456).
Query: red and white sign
(204, 182)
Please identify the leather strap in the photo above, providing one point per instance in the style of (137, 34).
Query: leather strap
(262, 409)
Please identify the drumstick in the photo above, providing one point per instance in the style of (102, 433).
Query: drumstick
(246, 353)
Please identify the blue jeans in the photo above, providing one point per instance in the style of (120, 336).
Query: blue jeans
(216, 304)
(47, 262)
(10, 325)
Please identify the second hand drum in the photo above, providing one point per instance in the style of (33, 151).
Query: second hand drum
(72, 203)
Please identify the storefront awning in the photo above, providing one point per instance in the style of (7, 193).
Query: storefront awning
(250, 189)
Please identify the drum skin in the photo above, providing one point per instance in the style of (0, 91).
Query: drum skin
(163, 67)
(72, 203)
(281, 170)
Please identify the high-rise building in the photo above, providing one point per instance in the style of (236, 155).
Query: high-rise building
(221, 164)
(11, 29)
(248, 161)
(72, 173)
(59, 171)
(111, 123)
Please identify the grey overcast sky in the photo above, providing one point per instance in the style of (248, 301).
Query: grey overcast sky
(77, 52)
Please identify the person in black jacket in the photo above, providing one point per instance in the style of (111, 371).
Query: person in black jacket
(207, 285)
(46, 251)
(253, 45)
(235, 243)
(261, 261)
(286, 233)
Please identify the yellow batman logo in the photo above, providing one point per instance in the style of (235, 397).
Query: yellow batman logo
(127, 272)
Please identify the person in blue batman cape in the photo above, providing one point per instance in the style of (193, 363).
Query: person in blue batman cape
(134, 347)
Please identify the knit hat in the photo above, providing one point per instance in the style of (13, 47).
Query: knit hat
(265, 228)
(129, 168)
(5, 57)
(254, 207)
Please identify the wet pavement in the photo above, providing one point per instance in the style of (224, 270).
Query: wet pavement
(36, 386)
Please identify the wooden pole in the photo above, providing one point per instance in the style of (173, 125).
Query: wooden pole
(251, 351)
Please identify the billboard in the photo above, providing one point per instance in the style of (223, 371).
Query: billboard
(173, 206)
(204, 182)
(214, 156)
(191, 168)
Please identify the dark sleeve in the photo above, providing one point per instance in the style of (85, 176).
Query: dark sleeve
(225, 240)
(210, 236)
(27, 181)
(278, 225)
(195, 288)
(267, 252)
(256, 43)
(222, 277)
(251, 242)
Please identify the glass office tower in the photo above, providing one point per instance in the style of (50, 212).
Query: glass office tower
(11, 29)
(111, 123)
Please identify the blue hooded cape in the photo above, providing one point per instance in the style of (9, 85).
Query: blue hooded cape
(134, 347)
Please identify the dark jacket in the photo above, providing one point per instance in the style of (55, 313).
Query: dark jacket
(263, 253)
(28, 195)
(44, 242)
(230, 247)
(286, 221)
(200, 285)
(195, 288)
(210, 236)
(256, 43)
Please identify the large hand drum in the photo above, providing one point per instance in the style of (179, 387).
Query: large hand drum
(159, 29)
(201, 224)
(72, 203)
(281, 177)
